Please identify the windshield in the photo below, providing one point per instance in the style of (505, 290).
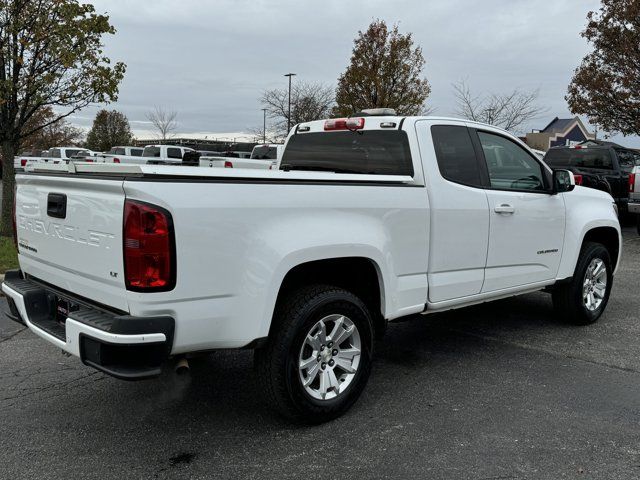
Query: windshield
(579, 157)
(264, 152)
(373, 152)
(151, 152)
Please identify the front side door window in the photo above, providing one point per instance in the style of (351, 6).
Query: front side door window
(510, 166)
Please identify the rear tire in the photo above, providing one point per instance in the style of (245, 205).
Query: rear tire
(305, 326)
(583, 300)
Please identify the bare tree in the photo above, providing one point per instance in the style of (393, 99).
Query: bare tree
(268, 136)
(509, 111)
(309, 101)
(164, 122)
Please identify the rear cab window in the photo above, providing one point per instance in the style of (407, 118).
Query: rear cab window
(264, 152)
(72, 153)
(369, 152)
(599, 158)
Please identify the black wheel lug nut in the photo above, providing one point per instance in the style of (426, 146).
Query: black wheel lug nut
(324, 365)
(319, 358)
(331, 362)
(334, 353)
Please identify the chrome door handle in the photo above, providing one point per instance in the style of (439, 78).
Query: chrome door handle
(504, 208)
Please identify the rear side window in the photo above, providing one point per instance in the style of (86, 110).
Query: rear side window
(151, 152)
(174, 153)
(455, 154)
(372, 152)
(579, 157)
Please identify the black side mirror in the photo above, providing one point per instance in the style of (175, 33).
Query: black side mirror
(563, 181)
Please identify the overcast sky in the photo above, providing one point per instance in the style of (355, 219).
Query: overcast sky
(210, 60)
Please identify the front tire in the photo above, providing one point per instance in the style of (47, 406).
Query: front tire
(583, 300)
(318, 357)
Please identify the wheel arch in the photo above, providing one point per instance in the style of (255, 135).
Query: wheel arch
(607, 236)
(359, 275)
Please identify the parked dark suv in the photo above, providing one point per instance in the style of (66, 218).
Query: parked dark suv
(604, 168)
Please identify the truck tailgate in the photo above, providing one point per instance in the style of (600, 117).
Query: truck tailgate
(69, 233)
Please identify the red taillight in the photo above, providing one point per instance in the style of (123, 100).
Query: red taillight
(344, 124)
(149, 251)
(228, 164)
(632, 182)
(578, 179)
(23, 162)
(116, 160)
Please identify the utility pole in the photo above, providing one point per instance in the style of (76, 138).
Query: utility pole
(264, 125)
(289, 116)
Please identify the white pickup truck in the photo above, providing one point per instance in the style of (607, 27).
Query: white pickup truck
(120, 154)
(634, 194)
(52, 156)
(369, 219)
(264, 156)
(161, 154)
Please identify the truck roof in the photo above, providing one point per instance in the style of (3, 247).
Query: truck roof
(373, 122)
(165, 146)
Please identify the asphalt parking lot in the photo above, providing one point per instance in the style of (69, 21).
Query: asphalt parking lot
(499, 391)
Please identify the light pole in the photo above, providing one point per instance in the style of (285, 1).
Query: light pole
(264, 125)
(289, 116)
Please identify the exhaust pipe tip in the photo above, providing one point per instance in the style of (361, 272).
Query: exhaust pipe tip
(182, 366)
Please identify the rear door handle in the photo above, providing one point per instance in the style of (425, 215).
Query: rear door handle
(505, 208)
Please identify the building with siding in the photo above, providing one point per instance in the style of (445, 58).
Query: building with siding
(560, 132)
